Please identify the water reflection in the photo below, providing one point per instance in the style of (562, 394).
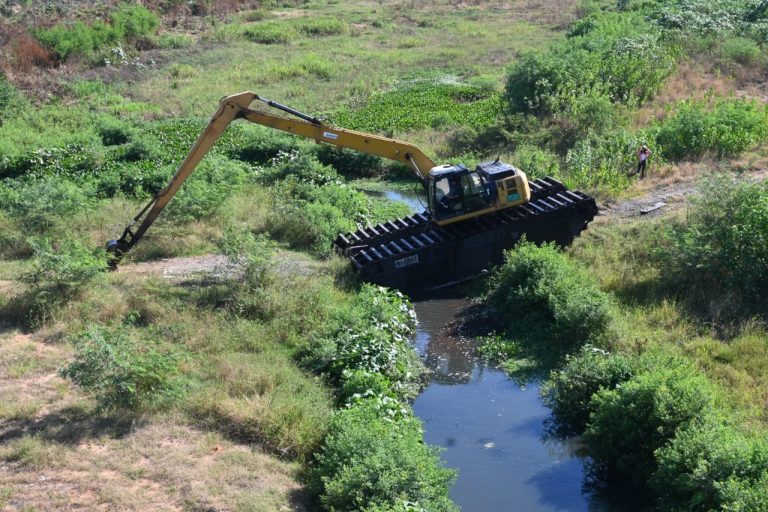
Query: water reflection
(491, 429)
(415, 201)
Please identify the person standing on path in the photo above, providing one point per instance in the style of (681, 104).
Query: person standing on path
(642, 160)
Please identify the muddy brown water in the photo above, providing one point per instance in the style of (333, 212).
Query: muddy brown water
(491, 429)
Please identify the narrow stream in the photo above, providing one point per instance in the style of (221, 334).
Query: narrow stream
(492, 430)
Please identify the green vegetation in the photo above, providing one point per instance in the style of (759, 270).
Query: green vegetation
(656, 326)
(661, 403)
(540, 290)
(610, 57)
(120, 373)
(127, 24)
(718, 254)
(723, 128)
(369, 463)
(423, 104)
(631, 421)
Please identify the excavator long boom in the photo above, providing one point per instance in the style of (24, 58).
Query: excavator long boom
(238, 106)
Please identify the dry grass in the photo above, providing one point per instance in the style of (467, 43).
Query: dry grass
(161, 466)
(57, 452)
(699, 78)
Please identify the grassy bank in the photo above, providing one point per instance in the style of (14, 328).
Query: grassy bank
(287, 382)
(661, 372)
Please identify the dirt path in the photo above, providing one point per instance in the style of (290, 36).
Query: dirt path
(217, 266)
(659, 196)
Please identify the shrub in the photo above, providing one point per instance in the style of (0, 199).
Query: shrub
(120, 373)
(8, 95)
(698, 17)
(143, 147)
(720, 255)
(40, 204)
(536, 163)
(68, 266)
(349, 163)
(603, 163)
(77, 39)
(300, 166)
(616, 56)
(308, 226)
(114, 132)
(568, 391)
(253, 253)
(711, 467)
(262, 145)
(632, 421)
(725, 127)
(134, 21)
(740, 50)
(372, 337)
(205, 191)
(129, 22)
(183, 70)
(541, 290)
(739, 494)
(371, 463)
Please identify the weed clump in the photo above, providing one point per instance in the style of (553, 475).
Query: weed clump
(270, 33)
(371, 462)
(128, 23)
(540, 290)
(119, 372)
(719, 254)
(723, 127)
(568, 391)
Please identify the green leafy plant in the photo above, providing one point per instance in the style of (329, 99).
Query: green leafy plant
(723, 127)
(371, 337)
(67, 265)
(39, 205)
(424, 100)
(373, 463)
(540, 289)
(719, 253)
(617, 56)
(253, 253)
(712, 467)
(120, 373)
(568, 391)
(114, 132)
(128, 22)
(630, 422)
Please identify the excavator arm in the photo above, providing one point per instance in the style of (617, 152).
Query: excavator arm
(238, 107)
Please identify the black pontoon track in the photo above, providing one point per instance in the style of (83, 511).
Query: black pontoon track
(414, 253)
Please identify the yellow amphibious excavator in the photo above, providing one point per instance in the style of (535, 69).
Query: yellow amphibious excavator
(473, 215)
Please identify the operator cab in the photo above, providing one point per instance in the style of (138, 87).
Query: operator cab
(455, 191)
